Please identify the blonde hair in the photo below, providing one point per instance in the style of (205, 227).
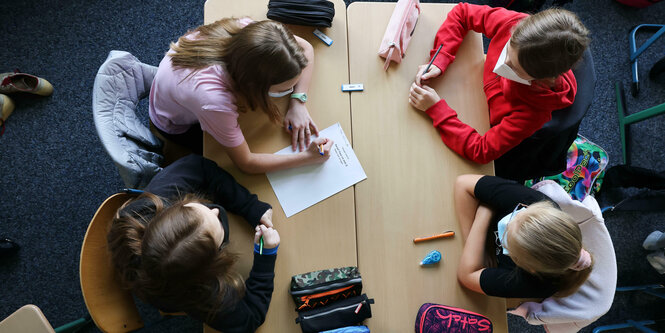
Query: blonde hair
(162, 252)
(256, 57)
(545, 241)
(550, 42)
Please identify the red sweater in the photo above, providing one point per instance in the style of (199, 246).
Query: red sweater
(516, 110)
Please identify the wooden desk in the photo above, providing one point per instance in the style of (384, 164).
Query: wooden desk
(410, 172)
(323, 235)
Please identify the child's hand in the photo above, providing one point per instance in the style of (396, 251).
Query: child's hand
(422, 98)
(298, 122)
(314, 151)
(431, 73)
(270, 236)
(266, 219)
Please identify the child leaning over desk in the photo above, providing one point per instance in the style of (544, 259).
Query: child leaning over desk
(536, 247)
(527, 75)
(218, 70)
(169, 246)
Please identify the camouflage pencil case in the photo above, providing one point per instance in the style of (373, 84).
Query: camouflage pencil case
(319, 288)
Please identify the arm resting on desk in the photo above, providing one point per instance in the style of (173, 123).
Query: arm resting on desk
(232, 196)
(499, 139)
(297, 117)
(474, 220)
(464, 17)
(254, 163)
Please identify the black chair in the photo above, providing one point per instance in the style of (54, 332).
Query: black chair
(544, 153)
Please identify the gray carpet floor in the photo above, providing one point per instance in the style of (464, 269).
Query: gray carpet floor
(54, 172)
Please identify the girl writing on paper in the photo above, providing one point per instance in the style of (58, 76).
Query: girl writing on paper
(536, 249)
(527, 75)
(169, 246)
(218, 70)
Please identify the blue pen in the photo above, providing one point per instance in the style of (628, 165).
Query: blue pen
(321, 150)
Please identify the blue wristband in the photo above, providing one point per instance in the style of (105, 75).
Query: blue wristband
(266, 252)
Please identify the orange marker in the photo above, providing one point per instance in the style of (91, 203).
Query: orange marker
(443, 235)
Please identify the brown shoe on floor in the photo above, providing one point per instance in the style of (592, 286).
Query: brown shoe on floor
(15, 82)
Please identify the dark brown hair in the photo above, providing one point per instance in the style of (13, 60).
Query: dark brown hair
(256, 57)
(550, 42)
(162, 254)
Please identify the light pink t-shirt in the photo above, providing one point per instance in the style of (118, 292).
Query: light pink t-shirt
(204, 97)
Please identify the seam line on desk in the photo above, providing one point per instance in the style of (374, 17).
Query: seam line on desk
(348, 72)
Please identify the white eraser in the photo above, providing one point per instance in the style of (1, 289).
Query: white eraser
(353, 87)
(323, 37)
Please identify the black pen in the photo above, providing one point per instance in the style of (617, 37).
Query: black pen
(434, 57)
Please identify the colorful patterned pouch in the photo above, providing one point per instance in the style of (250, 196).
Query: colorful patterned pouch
(436, 318)
(319, 288)
(585, 168)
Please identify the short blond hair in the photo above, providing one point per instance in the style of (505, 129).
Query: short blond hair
(546, 241)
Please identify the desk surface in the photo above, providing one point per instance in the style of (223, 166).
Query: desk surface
(410, 172)
(390, 208)
(323, 235)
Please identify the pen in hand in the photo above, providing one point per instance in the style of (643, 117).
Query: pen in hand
(432, 61)
(321, 149)
(261, 245)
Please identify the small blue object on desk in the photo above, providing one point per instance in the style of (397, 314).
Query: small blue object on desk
(431, 258)
(320, 35)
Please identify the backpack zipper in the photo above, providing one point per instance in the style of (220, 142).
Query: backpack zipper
(334, 310)
(333, 285)
(306, 299)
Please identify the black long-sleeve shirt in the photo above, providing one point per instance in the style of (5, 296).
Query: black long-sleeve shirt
(195, 174)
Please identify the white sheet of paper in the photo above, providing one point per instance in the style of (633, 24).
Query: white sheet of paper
(299, 188)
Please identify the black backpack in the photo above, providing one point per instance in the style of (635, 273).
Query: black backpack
(315, 13)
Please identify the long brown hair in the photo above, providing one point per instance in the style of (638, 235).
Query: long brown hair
(550, 42)
(162, 253)
(257, 56)
(547, 242)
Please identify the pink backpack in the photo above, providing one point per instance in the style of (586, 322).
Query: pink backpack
(401, 26)
(436, 318)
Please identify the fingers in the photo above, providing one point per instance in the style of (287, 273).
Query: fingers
(315, 129)
(320, 141)
(428, 75)
(416, 92)
(419, 75)
(429, 89)
(287, 125)
(294, 140)
(270, 236)
(308, 137)
(301, 138)
(327, 146)
(433, 71)
(418, 89)
(266, 221)
(257, 234)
